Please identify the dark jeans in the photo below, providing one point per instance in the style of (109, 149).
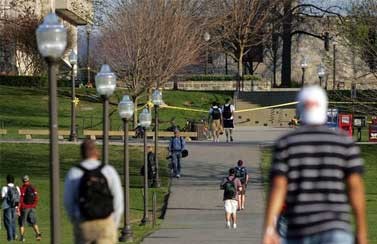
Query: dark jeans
(176, 162)
(10, 223)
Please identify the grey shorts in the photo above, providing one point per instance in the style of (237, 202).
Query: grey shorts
(28, 215)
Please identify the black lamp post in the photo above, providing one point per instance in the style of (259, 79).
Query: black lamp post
(105, 85)
(334, 65)
(207, 37)
(145, 120)
(126, 110)
(157, 102)
(73, 62)
(304, 65)
(52, 41)
(321, 73)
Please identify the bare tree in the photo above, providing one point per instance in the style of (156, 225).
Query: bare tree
(147, 42)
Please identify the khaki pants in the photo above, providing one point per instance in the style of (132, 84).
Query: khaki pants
(216, 128)
(96, 232)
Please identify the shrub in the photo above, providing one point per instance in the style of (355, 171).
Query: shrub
(27, 81)
(219, 77)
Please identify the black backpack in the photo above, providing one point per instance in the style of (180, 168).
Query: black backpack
(95, 197)
(13, 197)
(216, 114)
(29, 197)
(227, 113)
(241, 173)
(229, 189)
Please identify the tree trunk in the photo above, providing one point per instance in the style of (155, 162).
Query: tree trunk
(287, 46)
(240, 69)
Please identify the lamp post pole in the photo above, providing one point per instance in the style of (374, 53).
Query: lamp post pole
(88, 31)
(320, 81)
(73, 61)
(303, 77)
(156, 180)
(105, 128)
(145, 219)
(207, 37)
(334, 66)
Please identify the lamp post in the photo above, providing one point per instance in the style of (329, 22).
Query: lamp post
(105, 85)
(157, 101)
(88, 31)
(145, 120)
(126, 111)
(52, 41)
(321, 71)
(207, 37)
(304, 65)
(73, 61)
(334, 65)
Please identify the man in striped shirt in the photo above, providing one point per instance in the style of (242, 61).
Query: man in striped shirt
(317, 172)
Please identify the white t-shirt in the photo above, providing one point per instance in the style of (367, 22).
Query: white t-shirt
(4, 191)
(232, 109)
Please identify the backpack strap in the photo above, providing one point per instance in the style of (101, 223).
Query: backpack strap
(99, 168)
(180, 138)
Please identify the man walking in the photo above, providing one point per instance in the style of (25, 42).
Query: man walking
(317, 172)
(28, 204)
(231, 186)
(243, 176)
(10, 195)
(93, 198)
(176, 146)
(215, 120)
(228, 124)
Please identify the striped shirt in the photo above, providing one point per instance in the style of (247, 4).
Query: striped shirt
(316, 162)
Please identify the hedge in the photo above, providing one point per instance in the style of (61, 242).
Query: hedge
(219, 77)
(29, 81)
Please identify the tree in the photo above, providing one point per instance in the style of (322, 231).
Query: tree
(147, 42)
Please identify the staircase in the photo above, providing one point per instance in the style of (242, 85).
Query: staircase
(272, 117)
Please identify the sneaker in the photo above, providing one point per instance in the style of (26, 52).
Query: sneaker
(234, 226)
(231, 138)
(38, 237)
(178, 176)
(227, 225)
(22, 239)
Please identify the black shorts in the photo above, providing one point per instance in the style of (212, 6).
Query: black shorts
(228, 123)
(28, 215)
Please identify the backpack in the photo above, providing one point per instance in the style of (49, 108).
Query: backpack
(241, 173)
(216, 114)
(13, 197)
(227, 113)
(229, 189)
(95, 197)
(29, 197)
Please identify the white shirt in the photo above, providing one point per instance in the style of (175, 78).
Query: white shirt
(4, 191)
(214, 107)
(232, 109)
(71, 190)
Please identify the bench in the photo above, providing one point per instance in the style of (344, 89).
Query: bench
(162, 134)
(3, 132)
(28, 133)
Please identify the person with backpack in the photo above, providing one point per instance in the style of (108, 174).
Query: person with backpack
(28, 204)
(231, 186)
(243, 176)
(10, 195)
(151, 158)
(215, 120)
(228, 115)
(177, 145)
(93, 198)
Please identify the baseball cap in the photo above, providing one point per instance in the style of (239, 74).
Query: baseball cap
(312, 105)
(25, 178)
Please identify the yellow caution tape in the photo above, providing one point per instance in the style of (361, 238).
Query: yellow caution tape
(267, 107)
(187, 109)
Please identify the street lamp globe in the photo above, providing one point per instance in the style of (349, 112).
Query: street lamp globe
(51, 37)
(145, 118)
(157, 97)
(105, 81)
(126, 107)
(72, 58)
(207, 36)
(321, 71)
(304, 62)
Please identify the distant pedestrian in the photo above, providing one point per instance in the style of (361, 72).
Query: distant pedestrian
(151, 163)
(317, 172)
(231, 186)
(177, 145)
(215, 120)
(228, 119)
(93, 198)
(243, 176)
(10, 196)
(28, 204)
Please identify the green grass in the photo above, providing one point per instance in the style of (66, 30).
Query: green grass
(369, 155)
(32, 159)
(27, 108)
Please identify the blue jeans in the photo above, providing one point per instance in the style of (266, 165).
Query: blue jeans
(327, 237)
(10, 223)
(176, 162)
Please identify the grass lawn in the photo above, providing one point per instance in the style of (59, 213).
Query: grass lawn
(32, 159)
(368, 153)
(27, 108)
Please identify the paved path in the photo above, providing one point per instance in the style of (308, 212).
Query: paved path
(195, 211)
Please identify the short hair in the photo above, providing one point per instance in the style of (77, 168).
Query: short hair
(227, 100)
(232, 171)
(240, 162)
(88, 147)
(214, 104)
(10, 179)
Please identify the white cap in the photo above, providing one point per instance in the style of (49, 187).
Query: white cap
(312, 105)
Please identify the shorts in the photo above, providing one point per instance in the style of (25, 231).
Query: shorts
(216, 125)
(243, 190)
(100, 231)
(230, 206)
(228, 124)
(28, 215)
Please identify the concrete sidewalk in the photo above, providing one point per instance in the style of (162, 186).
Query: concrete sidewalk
(195, 211)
